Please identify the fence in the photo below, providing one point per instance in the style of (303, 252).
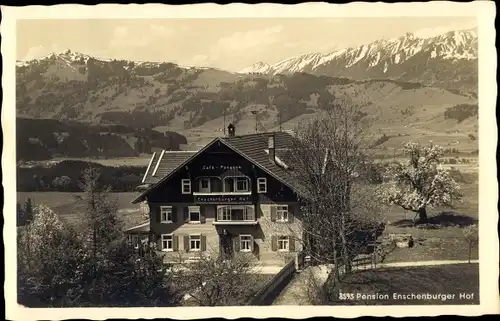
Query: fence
(268, 293)
(366, 261)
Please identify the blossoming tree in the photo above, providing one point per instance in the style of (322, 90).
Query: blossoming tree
(420, 182)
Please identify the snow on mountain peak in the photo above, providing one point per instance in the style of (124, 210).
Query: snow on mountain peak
(460, 44)
(68, 56)
(259, 67)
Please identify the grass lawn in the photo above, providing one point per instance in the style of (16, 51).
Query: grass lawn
(434, 245)
(387, 286)
(141, 161)
(444, 243)
(70, 208)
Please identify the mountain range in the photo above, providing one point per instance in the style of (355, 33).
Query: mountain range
(448, 60)
(410, 86)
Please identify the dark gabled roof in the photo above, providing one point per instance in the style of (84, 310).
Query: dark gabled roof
(254, 147)
(142, 228)
(163, 163)
(168, 168)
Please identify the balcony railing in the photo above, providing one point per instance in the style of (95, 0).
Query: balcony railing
(236, 215)
(222, 193)
(214, 186)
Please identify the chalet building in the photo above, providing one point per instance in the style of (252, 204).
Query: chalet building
(235, 195)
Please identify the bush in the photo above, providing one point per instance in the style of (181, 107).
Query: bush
(461, 112)
(382, 139)
(371, 173)
(39, 139)
(461, 177)
(57, 267)
(64, 177)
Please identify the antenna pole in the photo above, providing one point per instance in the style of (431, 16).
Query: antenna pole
(255, 113)
(224, 127)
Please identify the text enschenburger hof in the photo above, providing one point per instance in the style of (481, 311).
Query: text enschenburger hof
(406, 296)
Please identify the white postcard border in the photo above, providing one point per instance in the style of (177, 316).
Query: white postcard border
(484, 11)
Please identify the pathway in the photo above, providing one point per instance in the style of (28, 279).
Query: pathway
(267, 269)
(294, 293)
(416, 263)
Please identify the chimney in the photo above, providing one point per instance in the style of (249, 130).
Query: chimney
(271, 148)
(231, 130)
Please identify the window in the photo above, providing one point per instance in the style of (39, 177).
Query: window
(167, 242)
(246, 243)
(194, 214)
(283, 243)
(261, 185)
(135, 240)
(194, 242)
(229, 184)
(205, 185)
(241, 184)
(224, 213)
(145, 209)
(282, 213)
(236, 213)
(248, 213)
(186, 186)
(166, 214)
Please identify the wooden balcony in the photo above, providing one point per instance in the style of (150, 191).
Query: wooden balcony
(222, 193)
(236, 215)
(217, 186)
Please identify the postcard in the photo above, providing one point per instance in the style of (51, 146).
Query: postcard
(261, 160)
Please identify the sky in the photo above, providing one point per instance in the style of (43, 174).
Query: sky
(226, 43)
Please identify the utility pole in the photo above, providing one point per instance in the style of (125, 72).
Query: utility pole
(224, 126)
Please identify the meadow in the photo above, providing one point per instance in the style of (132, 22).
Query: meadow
(71, 209)
(443, 243)
(414, 280)
(443, 240)
(140, 161)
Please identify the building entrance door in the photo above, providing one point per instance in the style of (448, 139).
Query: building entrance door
(226, 244)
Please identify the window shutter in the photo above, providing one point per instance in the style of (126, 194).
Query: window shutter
(291, 213)
(237, 243)
(186, 214)
(158, 214)
(291, 243)
(203, 242)
(174, 214)
(274, 243)
(186, 243)
(202, 214)
(273, 213)
(175, 242)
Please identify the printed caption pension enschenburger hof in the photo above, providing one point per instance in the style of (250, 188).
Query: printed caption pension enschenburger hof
(406, 296)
